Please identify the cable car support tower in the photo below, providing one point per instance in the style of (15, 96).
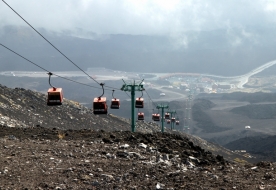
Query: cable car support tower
(162, 107)
(132, 88)
(172, 114)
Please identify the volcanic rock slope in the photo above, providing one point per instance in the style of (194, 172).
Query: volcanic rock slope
(223, 118)
(67, 147)
(25, 108)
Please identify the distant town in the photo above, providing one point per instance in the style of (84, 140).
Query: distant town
(188, 82)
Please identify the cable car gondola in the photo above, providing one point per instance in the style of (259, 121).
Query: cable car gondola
(54, 95)
(177, 122)
(156, 117)
(115, 103)
(99, 104)
(139, 103)
(140, 116)
(173, 119)
(168, 121)
(167, 115)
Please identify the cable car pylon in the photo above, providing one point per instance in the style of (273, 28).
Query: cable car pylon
(172, 113)
(132, 88)
(162, 107)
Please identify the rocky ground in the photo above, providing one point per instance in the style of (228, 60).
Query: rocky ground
(21, 108)
(42, 158)
(67, 147)
(25, 108)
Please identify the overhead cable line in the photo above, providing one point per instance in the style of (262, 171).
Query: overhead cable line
(46, 69)
(55, 46)
(49, 42)
(127, 94)
(51, 72)
(151, 99)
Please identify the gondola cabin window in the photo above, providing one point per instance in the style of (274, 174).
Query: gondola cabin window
(55, 96)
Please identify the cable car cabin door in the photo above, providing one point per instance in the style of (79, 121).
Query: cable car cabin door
(54, 97)
(100, 106)
(115, 104)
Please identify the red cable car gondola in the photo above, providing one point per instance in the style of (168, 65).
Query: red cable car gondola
(156, 117)
(140, 116)
(173, 119)
(115, 103)
(54, 95)
(167, 115)
(139, 103)
(99, 104)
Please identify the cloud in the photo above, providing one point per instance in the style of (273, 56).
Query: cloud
(270, 6)
(154, 17)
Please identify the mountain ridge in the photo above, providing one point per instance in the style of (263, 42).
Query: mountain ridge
(135, 53)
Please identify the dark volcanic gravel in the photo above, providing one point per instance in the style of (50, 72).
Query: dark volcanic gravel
(41, 158)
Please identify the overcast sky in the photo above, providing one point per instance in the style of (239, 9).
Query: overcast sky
(162, 17)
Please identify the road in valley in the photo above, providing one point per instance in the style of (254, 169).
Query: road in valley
(170, 94)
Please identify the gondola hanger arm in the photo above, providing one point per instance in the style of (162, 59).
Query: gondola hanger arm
(50, 74)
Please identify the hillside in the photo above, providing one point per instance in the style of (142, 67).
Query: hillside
(21, 108)
(42, 158)
(263, 146)
(144, 52)
(26, 108)
(226, 119)
(67, 147)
